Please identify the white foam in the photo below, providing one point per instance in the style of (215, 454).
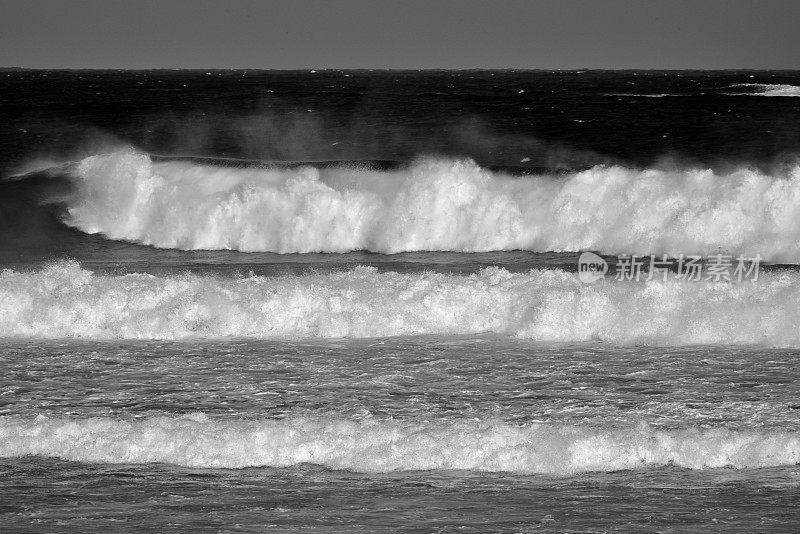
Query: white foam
(767, 89)
(390, 445)
(436, 205)
(64, 300)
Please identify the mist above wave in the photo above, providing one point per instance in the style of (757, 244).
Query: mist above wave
(435, 204)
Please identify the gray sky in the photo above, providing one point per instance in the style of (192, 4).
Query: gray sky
(545, 34)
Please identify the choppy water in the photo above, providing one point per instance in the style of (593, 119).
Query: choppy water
(348, 301)
(478, 433)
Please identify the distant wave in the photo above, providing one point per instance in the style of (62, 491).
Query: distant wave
(766, 89)
(436, 204)
(64, 300)
(390, 445)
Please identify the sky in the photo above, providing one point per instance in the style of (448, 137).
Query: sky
(411, 34)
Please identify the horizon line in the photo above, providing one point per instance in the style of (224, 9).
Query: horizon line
(407, 69)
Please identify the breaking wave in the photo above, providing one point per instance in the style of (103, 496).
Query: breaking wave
(369, 445)
(768, 89)
(65, 300)
(435, 204)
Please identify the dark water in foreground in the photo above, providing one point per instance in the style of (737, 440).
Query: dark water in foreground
(55, 496)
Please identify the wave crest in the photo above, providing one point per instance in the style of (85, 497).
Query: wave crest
(451, 205)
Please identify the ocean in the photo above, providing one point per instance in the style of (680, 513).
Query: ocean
(337, 301)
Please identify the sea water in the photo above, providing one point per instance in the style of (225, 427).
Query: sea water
(249, 301)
